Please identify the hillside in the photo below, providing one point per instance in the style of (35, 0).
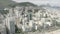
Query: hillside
(5, 3)
(26, 4)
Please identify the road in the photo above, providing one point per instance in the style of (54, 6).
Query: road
(52, 32)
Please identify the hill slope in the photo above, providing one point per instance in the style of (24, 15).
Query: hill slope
(5, 3)
(26, 4)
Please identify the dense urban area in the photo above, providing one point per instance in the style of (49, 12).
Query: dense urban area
(28, 18)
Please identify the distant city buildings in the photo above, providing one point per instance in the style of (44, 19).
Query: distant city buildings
(27, 18)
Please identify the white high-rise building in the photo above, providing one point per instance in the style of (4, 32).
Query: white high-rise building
(10, 24)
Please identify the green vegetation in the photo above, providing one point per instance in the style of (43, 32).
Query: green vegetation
(22, 4)
(26, 4)
(35, 10)
(4, 12)
(17, 30)
(33, 30)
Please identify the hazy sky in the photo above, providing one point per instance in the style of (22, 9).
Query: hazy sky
(39, 2)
